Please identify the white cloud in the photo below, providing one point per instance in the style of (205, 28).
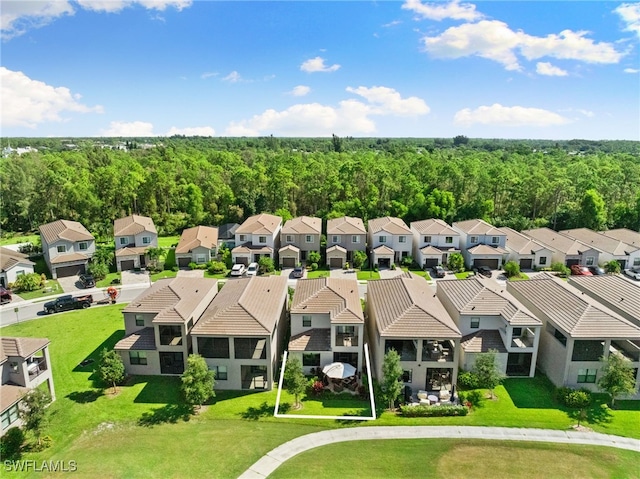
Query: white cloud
(27, 102)
(441, 11)
(631, 70)
(630, 14)
(546, 68)
(587, 113)
(206, 75)
(133, 128)
(19, 16)
(388, 101)
(494, 40)
(497, 114)
(193, 131)
(112, 6)
(300, 90)
(317, 65)
(233, 77)
(392, 24)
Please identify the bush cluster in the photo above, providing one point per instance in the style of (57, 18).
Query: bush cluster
(468, 380)
(433, 411)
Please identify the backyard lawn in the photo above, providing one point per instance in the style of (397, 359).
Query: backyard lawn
(168, 241)
(34, 239)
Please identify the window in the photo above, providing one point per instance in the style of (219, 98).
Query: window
(407, 349)
(289, 239)
(62, 248)
(262, 239)
(382, 239)
(448, 239)
(250, 348)
(557, 334)
(306, 321)
(543, 260)
(82, 246)
(516, 333)
(220, 373)
(636, 261)
(475, 323)
(10, 416)
(14, 366)
(335, 239)
(20, 272)
(474, 239)
(137, 357)
(124, 241)
(590, 260)
(170, 335)
(243, 237)
(139, 320)
(311, 359)
(356, 239)
(308, 239)
(495, 240)
(587, 375)
(201, 259)
(213, 347)
(427, 239)
(587, 350)
(407, 375)
(146, 240)
(402, 239)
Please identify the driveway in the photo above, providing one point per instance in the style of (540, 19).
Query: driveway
(70, 284)
(343, 273)
(135, 277)
(190, 273)
(390, 273)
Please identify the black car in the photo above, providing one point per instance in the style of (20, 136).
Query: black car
(485, 271)
(87, 281)
(596, 270)
(438, 272)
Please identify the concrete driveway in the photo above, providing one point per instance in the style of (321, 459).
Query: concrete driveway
(343, 273)
(390, 273)
(135, 277)
(70, 284)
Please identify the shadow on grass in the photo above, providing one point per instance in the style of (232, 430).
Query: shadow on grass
(531, 393)
(355, 413)
(83, 397)
(91, 361)
(171, 413)
(157, 389)
(264, 410)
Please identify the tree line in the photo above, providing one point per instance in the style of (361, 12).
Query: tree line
(183, 182)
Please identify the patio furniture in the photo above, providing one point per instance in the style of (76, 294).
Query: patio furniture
(423, 397)
(432, 399)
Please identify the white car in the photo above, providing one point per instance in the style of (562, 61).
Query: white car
(252, 269)
(632, 274)
(237, 270)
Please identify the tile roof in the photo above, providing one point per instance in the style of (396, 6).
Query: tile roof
(486, 249)
(600, 241)
(303, 225)
(336, 247)
(520, 243)
(433, 226)
(383, 250)
(64, 230)
(69, 258)
(316, 339)
(478, 227)
(431, 250)
(10, 258)
(173, 299)
(10, 394)
(260, 224)
(345, 225)
(128, 251)
(289, 247)
(336, 296)
(556, 241)
(575, 313)
(133, 225)
(408, 308)
(250, 248)
(487, 298)
(482, 341)
(20, 347)
(245, 307)
(196, 237)
(613, 291)
(390, 224)
(626, 235)
(144, 340)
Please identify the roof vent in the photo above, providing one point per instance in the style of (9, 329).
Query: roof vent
(473, 308)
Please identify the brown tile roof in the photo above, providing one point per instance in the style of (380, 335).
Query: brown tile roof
(250, 248)
(433, 226)
(392, 225)
(244, 307)
(576, 314)
(556, 241)
(21, 347)
(487, 298)
(336, 247)
(289, 247)
(303, 225)
(10, 394)
(520, 243)
(600, 241)
(408, 307)
(129, 251)
(260, 224)
(482, 341)
(316, 339)
(196, 237)
(478, 227)
(613, 291)
(432, 250)
(133, 225)
(144, 339)
(69, 258)
(64, 230)
(345, 225)
(627, 236)
(383, 249)
(486, 249)
(173, 299)
(336, 296)
(10, 258)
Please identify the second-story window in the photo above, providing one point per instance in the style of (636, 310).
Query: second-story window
(474, 239)
(402, 239)
(475, 323)
(62, 248)
(495, 240)
(289, 239)
(262, 239)
(308, 239)
(146, 240)
(427, 239)
(306, 321)
(335, 239)
(82, 246)
(124, 241)
(448, 239)
(382, 239)
(139, 320)
(355, 239)
(243, 237)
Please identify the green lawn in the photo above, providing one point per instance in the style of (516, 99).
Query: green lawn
(366, 275)
(168, 241)
(464, 274)
(108, 280)
(418, 272)
(224, 275)
(321, 272)
(167, 273)
(328, 404)
(35, 239)
(521, 277)
(50, 288)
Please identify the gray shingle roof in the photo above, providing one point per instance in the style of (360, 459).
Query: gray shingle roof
(303, 225)
(520, 243)
(336, 296)
(626, 235)
(556, 241)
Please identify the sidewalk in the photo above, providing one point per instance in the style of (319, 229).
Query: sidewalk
(273, 459)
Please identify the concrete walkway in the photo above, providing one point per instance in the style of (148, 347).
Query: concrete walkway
(273, 459)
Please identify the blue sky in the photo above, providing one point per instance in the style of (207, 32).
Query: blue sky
(490, 69)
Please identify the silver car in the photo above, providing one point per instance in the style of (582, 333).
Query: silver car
(632, 273)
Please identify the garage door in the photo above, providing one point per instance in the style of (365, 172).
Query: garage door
(335, 262)
(491, 263)
(384, 263)
(70, 270)
(526, 263)
(242, 260)
(288, 262)
(430, 262)
(184, 262)
(571, 262)
(127, 265)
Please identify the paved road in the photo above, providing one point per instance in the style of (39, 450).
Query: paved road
(273, 459)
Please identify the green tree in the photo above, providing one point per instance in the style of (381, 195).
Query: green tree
(28, 282)
(456, 262)
(617, 376)
(511, 269)
(561, 269)
(313, 257)
(579, 399)
(266, 264)
(98, 270)
(391, 375)
(33, 412)
(593, 211)
(111, 368)
(612, 266)
(294, 380)
(487, 370)
(359, 257)
(197, 381)
(155, 253)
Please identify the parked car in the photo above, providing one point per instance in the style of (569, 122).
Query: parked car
(596, 270)
(438, 272)
(67, 303)
(252, 269)
(5, 295)
(87, 281)
(237, 270)
(578, 270)
(485, 271)
(298, 272)
(632, 273)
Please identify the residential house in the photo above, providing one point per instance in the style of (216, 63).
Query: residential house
(608, 248)
(197, 245)
(227, 235)
(67, 247)
(577, 331)
(158, 324)
(389, 240)
(298, 237)
(490, 318)
(527, 252)
(258, 236)
(12, 265)
(625, 235)
(481, 243)
(433, 242)
(327, 323)
(25, 364)
(345, 235)
(403, 313)
(242, 333)
(134, 235)
(565, 250)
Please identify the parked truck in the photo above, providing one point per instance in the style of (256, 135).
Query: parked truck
(67, 303)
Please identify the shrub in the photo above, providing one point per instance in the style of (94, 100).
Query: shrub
(28, 282)
(314, 256)
(468, 380)
(175, 268)
(433, 411)
(11, 444)
(561, 269)
(406, 261)
(266, 264)
(314, 266)
(216, 267)
(511, 269)
(562, 394)
(192, 265)
(393, 266)
(359, 258)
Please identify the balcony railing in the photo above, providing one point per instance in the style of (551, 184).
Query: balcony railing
(523, 341)
(35, 368)
(346, 340)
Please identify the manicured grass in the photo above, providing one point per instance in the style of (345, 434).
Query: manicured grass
(328, 404)
(108, 280)
(366, 275)
(167, 273)
(319, 273)
(464, 274)
(418, 272)
(50, 288)
(168, 241)
(521, 277)
(456, 458)
(224, 275)
(35, 239)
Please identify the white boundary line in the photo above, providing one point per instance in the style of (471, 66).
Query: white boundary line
(308, 416)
